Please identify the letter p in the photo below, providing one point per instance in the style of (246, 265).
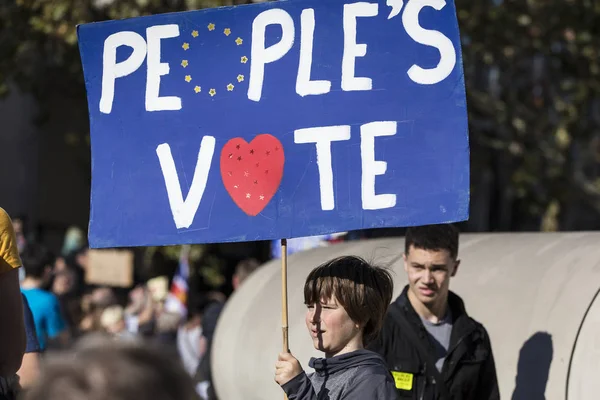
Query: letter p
(111, 70)
(261, 55)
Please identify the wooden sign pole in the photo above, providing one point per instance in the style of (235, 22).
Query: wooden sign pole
(284, 297)
(284, 300)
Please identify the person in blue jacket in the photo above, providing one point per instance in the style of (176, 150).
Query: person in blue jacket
(49, 322)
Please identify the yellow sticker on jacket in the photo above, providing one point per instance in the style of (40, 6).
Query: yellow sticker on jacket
(403, 380)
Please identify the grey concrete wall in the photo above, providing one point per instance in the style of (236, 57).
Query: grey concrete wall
(533, 292)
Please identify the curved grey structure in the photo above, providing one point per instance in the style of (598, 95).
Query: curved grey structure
(536, 293)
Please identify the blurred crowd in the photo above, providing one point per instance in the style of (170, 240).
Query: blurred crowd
(66, 309)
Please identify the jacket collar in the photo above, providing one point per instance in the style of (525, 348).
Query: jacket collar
(462, 324)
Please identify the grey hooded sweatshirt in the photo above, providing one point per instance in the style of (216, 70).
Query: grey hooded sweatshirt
(359, 375)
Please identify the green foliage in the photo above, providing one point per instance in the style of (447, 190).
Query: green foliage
(533, 81)
(203, 262)
(39, 37)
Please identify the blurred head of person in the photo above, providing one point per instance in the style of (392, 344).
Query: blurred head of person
(158, 287)
(103, 297)
(60, 264)
(17, 223)
(64, 282)
(109, 370)
(19, 228)
(93, 304)
(112, 320)
(138, 297)
(243, 270)
(38, 262)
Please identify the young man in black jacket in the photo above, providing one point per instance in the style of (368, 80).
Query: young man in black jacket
(432, 347)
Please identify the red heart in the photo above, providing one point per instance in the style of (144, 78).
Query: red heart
(252, 172)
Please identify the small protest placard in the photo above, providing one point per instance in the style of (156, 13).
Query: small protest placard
(275, 120)
(110, 268)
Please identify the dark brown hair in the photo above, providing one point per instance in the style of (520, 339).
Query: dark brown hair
(103, 370)
(364, 290)
(433, 237)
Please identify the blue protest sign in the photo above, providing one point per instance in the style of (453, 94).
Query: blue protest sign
(275, 120)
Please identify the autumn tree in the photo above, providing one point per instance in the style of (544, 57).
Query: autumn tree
(532, 72)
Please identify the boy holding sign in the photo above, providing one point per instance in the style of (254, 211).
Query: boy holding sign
(347, 299)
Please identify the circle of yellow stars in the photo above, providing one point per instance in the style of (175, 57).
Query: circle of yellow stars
(185, 63)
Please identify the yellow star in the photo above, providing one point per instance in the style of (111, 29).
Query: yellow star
(184, 63)
(211, 27)
(239, 41)
(244, 60)
(188, 78)
(197, 89)
(195, 34)
(230, 87)
(227, 31)
(212, 92)
(186, 46)
(240, 78)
